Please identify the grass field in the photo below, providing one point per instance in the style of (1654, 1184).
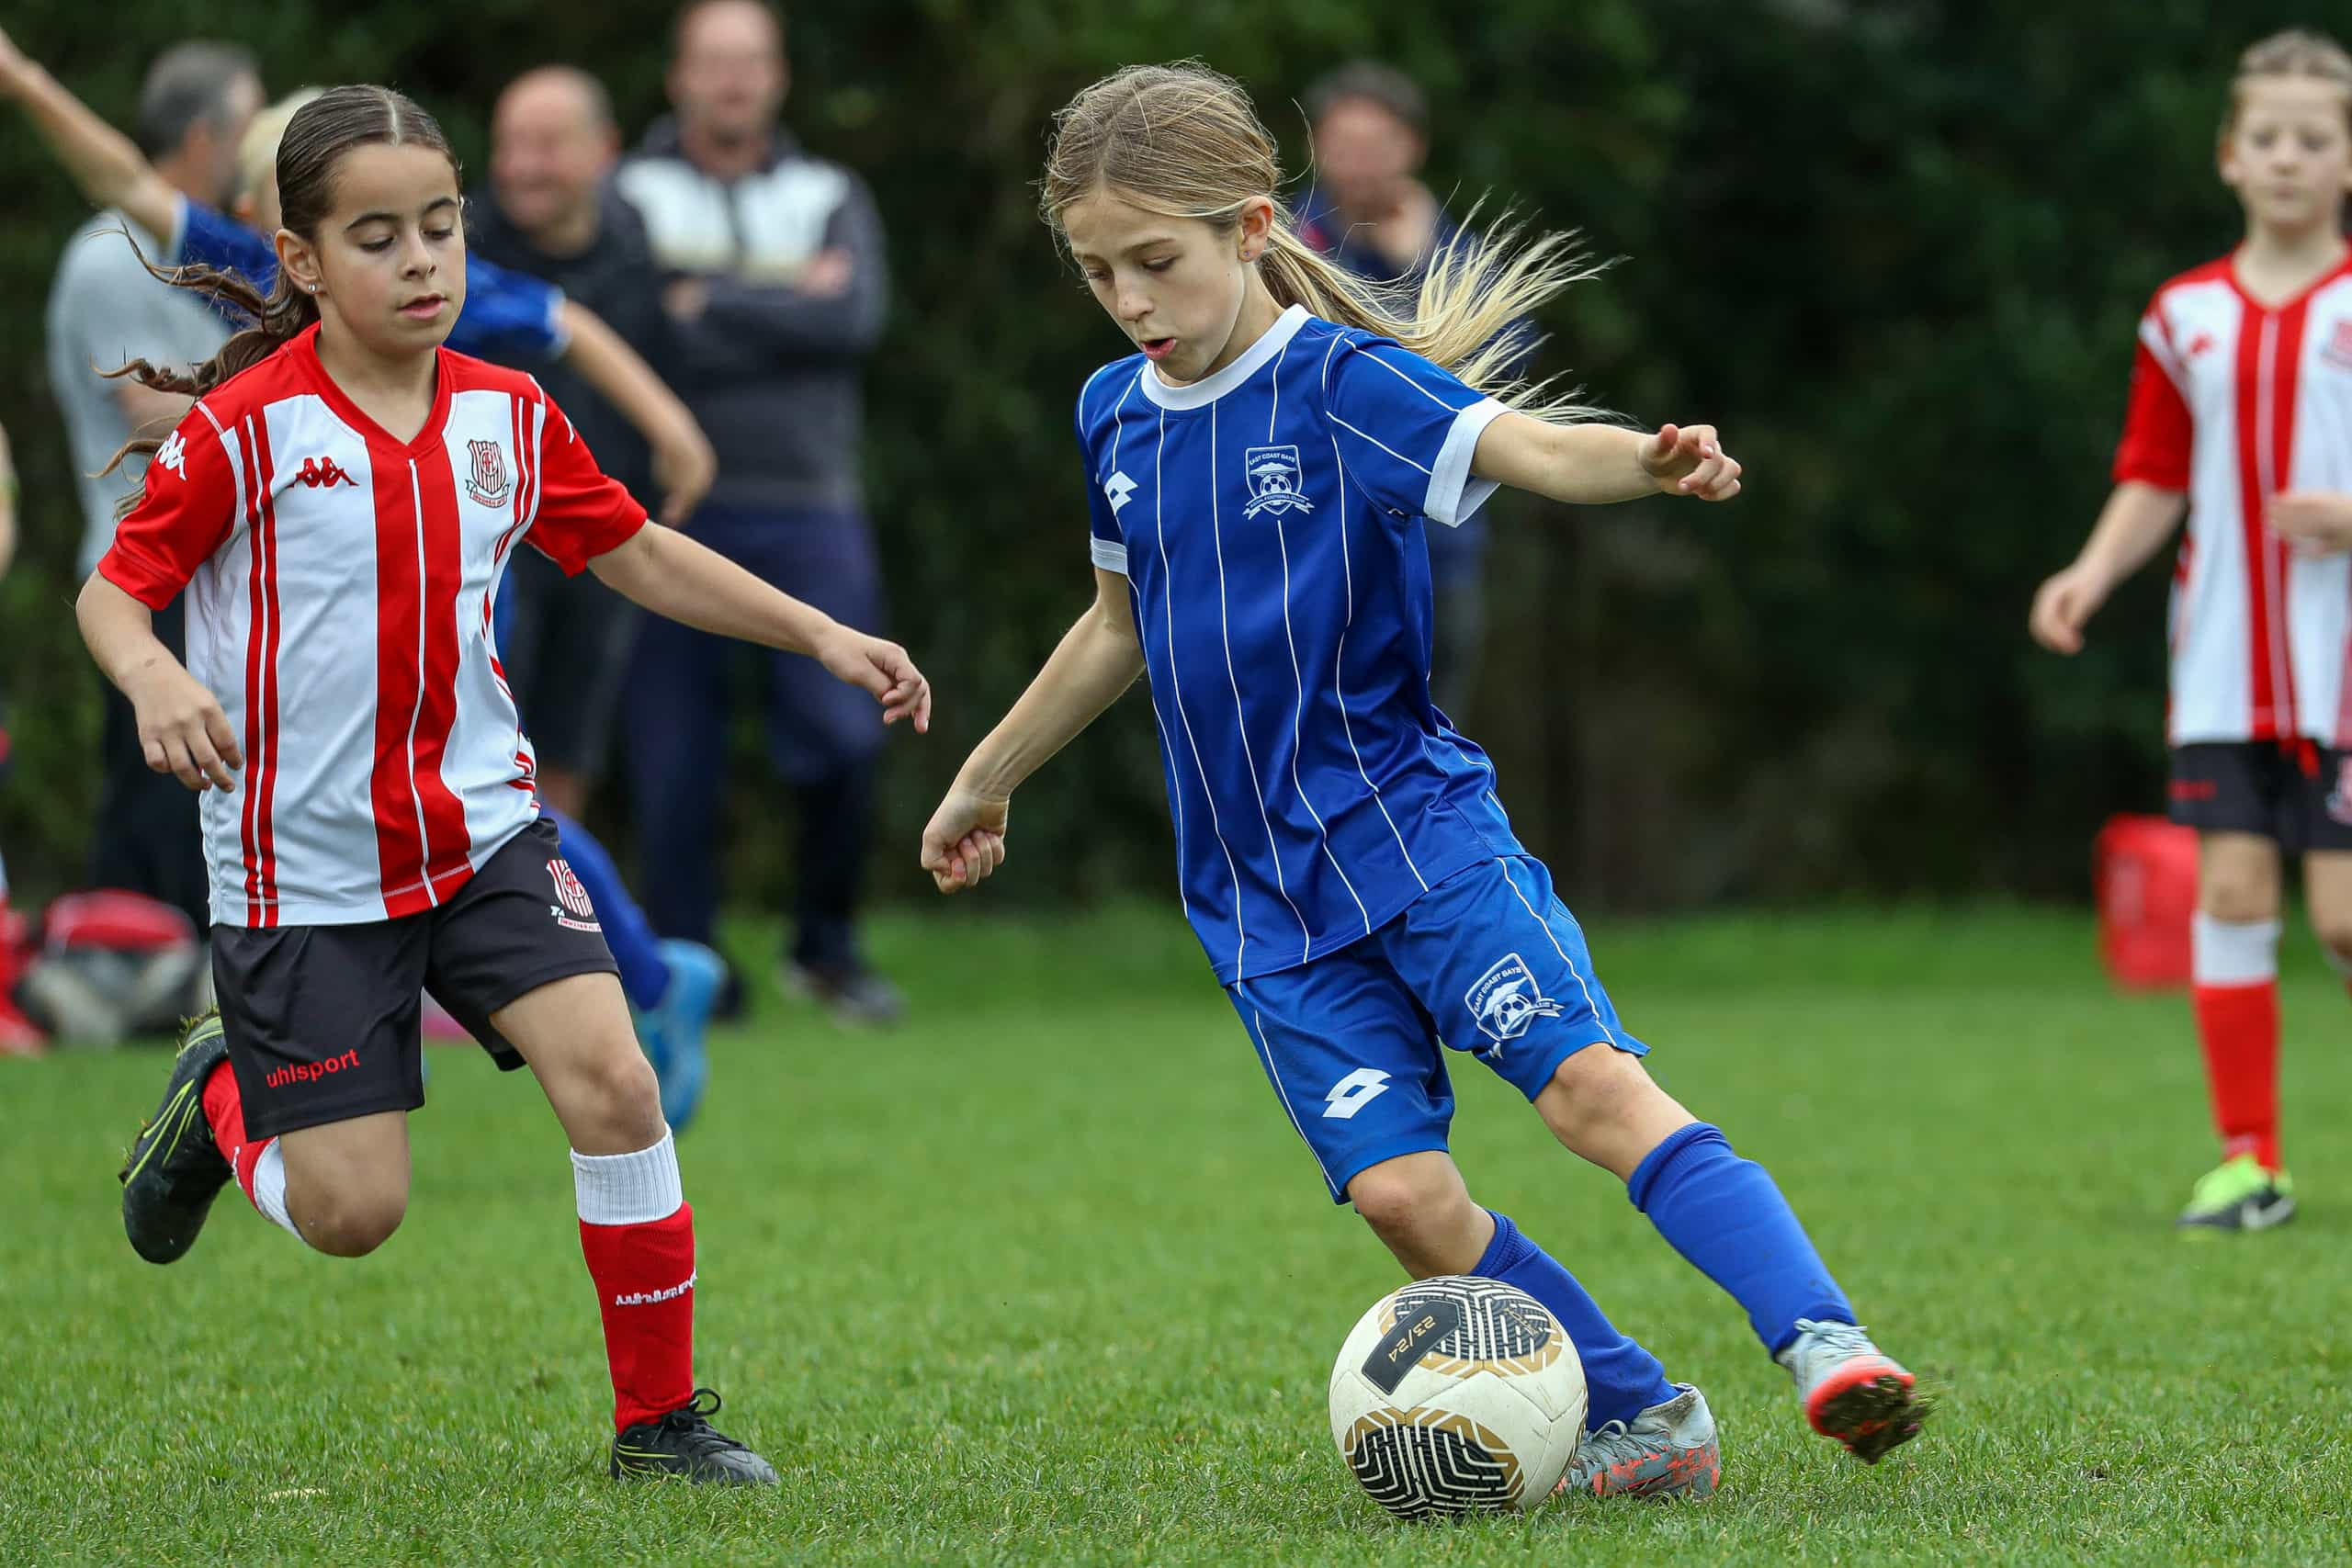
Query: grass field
(1045, 1277)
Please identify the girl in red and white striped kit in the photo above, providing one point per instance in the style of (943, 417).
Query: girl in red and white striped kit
(2241, 420)
(338, 508)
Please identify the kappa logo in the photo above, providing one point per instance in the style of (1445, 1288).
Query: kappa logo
(173, 454)
(318, 471)
(1275, 482)
(572, 896)
(1121, 490)
(2202, 343)
(2338, 351)
(1506, 1000)
(487, 481)
(1353, 1093)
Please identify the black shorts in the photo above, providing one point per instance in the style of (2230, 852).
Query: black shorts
(2297, 794)
(323, 1021)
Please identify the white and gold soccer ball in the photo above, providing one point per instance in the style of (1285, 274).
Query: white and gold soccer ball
(1457, 1395)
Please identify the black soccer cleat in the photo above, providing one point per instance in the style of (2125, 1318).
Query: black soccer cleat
(175, 1168)
(684, 1443)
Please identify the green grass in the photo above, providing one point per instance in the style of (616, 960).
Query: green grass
(1046, 1277)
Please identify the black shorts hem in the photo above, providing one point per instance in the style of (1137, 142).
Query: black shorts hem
(260, 1123)
(501, 1050)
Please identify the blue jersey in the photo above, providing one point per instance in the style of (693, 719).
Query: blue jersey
(1269, 519)
(506, 314)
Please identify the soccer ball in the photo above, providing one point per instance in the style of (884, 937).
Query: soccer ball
(1457, 1395)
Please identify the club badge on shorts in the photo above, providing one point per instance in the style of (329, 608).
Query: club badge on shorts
(572, 896)
(1506, 1000)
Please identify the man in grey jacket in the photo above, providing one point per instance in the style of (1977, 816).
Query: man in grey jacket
(776, 289)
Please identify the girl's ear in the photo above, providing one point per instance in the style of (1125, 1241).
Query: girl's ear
(299, 262)
(1256, 222)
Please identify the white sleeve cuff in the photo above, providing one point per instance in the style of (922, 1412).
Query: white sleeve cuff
(1454, 497)
(1110, 557)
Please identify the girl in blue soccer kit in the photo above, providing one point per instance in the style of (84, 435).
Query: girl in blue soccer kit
(1261, 475)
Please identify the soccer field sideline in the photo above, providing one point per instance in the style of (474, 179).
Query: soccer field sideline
(1046, 1278)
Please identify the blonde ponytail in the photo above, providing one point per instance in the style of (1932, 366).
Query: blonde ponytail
(1182, 140)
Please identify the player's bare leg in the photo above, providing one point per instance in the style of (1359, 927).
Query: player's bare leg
(635, 1229)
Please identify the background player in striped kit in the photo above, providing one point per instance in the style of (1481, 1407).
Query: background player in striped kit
(1261, 476)
(2241, 419)
(338, 508)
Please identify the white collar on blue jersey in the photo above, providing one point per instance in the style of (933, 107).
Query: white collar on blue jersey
(1209, 388)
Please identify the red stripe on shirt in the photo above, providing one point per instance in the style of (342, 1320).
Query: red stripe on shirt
(2284, 387)
(256, 638)
(447, 843)
(2261, 698)
(399, 829)
(265, 777)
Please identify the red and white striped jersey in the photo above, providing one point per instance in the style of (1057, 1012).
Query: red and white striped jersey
(2233, 402)
(339, 588)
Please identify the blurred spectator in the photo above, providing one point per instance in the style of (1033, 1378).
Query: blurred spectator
(17, 1036)
(1369, 211)
(775, 291)
(104, 309)
(550, 212)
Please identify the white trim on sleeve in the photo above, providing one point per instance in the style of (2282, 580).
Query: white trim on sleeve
(1454, 497)
(1108, 556)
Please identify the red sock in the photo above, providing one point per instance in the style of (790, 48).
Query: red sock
(2238, 1026)
(226, 1112)
(645, 1289)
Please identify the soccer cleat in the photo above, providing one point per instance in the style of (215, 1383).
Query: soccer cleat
(2238, 1195)
(684, 1443)
(674, 1028)
(856, 995)
(175, 1170)
(1668, 1450)
(1851, 1391)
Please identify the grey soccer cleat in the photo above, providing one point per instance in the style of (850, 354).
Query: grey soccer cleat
(1668, 1450)
(1851, 1390)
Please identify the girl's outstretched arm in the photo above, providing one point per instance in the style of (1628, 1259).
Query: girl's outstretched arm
(673, 575)
(1591, 464)
(1097, 660)
(105, 163)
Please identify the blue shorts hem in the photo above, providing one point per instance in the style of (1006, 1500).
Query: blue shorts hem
(1533, 1084)
(1395, 1148)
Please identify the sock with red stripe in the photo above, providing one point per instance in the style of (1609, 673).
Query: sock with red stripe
(260, 1166)
(639, 1237)
(2236, 963)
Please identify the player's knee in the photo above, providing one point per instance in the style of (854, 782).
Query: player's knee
(2238, 898)
(2334, 933)
(1416, 1212)
(618, 1094)
(1594, 1094)
(351, 1224)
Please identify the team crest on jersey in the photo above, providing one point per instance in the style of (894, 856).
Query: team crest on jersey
(487, 482)
(1275, 482)
(2339, 799)
(1506, 1000)
(572, 896)
(2338, 351)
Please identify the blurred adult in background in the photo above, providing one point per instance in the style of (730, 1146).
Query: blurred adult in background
(17, 1036)
(776, 292)
(549, 212)
(1369, 211)
(104, 311)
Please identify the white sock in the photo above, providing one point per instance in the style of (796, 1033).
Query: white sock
(2232, 953)
(628, 1190)
(269, 1188)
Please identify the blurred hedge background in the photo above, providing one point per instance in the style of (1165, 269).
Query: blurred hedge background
(1895, 250)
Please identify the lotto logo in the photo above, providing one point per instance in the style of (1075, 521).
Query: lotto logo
(1353, 1093)
(1119, 490)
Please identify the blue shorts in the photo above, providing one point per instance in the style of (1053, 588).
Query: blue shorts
(1490, 961)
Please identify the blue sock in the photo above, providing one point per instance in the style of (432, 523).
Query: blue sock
(645, 975)
(1621, 1380)
(1723, 1213)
